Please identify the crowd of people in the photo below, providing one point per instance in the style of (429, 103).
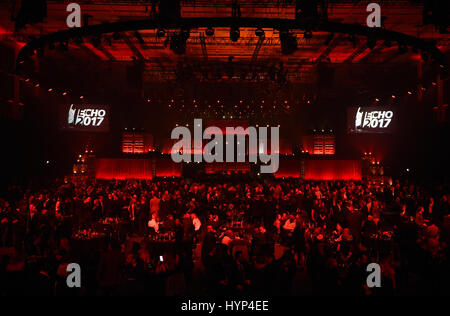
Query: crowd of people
(223, 237)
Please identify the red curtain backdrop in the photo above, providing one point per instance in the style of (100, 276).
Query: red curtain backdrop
(289, 168)
(285, 147)
(125, 168)
(333, 170)
(130, 168)
(165, 167)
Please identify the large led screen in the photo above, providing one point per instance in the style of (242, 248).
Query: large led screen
(371, 119)
(85, 117)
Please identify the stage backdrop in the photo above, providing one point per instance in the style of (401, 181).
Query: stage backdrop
(333, 170)
(165, 167)
(133, 168)
(289, 168)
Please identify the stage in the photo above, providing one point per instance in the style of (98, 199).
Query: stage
(155, 167)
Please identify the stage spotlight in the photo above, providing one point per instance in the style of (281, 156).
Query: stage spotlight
(160, 33)
(260, 32)
(308, 34)
(288, 42)
(234, 34)
(209, 31)
(371, 42)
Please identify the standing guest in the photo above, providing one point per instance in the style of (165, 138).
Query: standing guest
(165, 205)
(196, 222)
(209, 241)
(142, 216)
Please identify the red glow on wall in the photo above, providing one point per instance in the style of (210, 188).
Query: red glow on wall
(168, 144)
(121, 169)
(289, 169)
(129, 168)
(333, 170)
(165, 167)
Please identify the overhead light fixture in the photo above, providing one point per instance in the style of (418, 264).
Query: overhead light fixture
(234, 34)
(260, 32)
(209, 31)
(160, 33)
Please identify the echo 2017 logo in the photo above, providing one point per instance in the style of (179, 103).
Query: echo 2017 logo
(85, 117)
(373, 119)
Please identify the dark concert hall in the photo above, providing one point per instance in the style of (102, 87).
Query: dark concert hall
(224, 155)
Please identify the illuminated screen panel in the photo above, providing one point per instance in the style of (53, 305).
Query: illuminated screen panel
(85, 117)
(371, 119)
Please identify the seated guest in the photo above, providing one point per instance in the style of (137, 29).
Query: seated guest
(290, 224)
(153, 224)
(227, 238)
